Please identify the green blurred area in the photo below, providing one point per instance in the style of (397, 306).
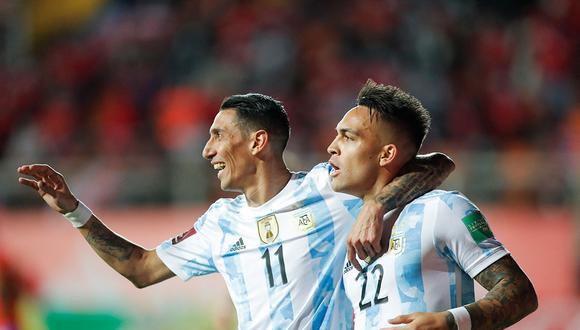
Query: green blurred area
(59, 320)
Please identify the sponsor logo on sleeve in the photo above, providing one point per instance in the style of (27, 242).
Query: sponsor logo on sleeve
(183, 236)
(477, 226)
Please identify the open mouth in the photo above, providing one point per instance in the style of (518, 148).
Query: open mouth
(335, 170)
(219, 166)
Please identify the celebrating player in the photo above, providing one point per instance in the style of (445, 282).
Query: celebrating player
(439, 242)
(280, 246)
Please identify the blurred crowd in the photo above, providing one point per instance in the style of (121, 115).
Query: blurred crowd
(100, 83)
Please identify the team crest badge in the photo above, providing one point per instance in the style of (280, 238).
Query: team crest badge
(268, 229)
(305, 220)
(397, 244)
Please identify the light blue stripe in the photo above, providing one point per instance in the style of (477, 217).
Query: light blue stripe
(451, 268)
(353, 206)
(408, 264)
(321, 242)
(233, 270)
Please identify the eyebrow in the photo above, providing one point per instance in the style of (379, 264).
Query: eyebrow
(347, 130)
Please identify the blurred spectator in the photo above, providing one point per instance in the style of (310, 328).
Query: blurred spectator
(100, 79)
(16, 291)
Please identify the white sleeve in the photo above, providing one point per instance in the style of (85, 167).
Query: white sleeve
(463, 234)
(190, 254)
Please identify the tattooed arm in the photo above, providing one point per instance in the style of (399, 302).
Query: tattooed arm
(510, 298)
(420, 175)
(142, 267)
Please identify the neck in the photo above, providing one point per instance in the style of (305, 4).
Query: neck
(383, 179)
(269, 181)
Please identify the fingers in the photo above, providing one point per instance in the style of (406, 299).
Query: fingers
(402, 319)
(37, 170)
(360, 250)
(351, 254)
(40, 186)
(373, 246)
(44, 173)
(30, 183)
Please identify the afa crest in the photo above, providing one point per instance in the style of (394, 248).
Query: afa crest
(268, 229)
(397, 244)
(305, 220)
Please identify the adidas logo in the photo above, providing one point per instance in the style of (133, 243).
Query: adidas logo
(239, 245)
(348, 267)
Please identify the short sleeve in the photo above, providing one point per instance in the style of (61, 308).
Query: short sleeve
(190, 254)
(463, 235)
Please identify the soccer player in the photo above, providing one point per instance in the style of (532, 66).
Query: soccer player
(439, 242)
(280, 245)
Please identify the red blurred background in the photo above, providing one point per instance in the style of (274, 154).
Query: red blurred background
(118, 96)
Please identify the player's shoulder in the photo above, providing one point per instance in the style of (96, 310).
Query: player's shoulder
(319, 175)
(452, 199)
(449, 197)
(226, 205)
(221, 208)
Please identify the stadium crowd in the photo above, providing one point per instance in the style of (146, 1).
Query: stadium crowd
(133, 85)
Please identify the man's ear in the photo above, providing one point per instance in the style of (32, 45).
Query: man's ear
(259, 141)
(388, 154)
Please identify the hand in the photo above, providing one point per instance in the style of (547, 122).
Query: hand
(50, 185)
(365, 235)
(423, 321)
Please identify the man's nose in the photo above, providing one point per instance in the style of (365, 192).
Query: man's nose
(208, 152)
(332, 149)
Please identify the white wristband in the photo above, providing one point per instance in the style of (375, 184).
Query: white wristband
(80, 216)
(462, 318)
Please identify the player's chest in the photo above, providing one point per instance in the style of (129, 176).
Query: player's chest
(380, 282)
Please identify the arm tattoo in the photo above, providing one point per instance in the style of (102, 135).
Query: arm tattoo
(451, 325)
(511, 296)
(420, 175)
(106, 243)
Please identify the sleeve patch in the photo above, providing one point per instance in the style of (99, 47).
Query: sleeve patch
(183, 236)
(477, 226)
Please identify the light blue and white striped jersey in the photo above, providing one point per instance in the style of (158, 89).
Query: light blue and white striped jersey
(282, 261)
(439, 242)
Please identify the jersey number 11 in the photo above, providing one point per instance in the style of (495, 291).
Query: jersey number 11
(280, 254)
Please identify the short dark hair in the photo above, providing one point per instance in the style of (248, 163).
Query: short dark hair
(395, 106)
(256, 111)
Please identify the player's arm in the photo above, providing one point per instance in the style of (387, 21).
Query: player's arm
(418, 176)
(510, 298)
(141, 266)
